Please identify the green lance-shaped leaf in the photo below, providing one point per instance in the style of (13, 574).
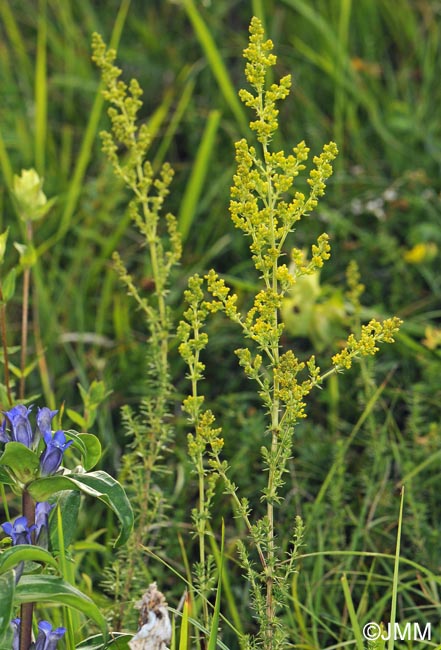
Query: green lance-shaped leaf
(88, 445)
(7, 589)
(49, 589)
(97, 484)
(22, 461)
(24, 553)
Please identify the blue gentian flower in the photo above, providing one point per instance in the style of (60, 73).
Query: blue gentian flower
(48, 638)
(15, 624)
(21, 430)
(42, 510)
(50, 459)
(19, 531)
(44, 421)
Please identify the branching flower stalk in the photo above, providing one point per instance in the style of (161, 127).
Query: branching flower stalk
(205, 439)
(126, 147)
(265, 207)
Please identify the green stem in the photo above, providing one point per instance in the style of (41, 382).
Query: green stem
(5, 346)
(240, 509)
(27, 609)
(25, 317)
(201, 536)
(270, 609)
(24, 331)
(201, 475)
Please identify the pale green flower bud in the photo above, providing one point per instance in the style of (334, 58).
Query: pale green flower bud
(27, 188)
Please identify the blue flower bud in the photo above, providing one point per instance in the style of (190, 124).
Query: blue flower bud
(21, 430)
(50, 459)
(44, 420)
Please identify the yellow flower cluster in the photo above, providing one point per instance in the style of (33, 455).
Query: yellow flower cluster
(126, 145)
(205, 433)
(371, 334)
(259, 57)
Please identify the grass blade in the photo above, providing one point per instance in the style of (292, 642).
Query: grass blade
(183, 637)
(5, 163)
(215, 621)
(393, 609)
(226, 586)
(41, 90)
(216, 63)
(88, 140)
(367, 411)
(352, 615)
(198, 174)
(14, 35)
(174, 123)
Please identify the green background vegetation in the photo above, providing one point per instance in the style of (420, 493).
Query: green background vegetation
(366, 74)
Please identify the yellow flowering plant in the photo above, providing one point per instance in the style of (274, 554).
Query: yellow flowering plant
(266, 207)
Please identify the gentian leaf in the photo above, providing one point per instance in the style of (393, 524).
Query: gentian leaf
(7, 588)
(97, 484)
(22, 461)
(43, 588)
(24, 553)
(88, 445)
(69, 504)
